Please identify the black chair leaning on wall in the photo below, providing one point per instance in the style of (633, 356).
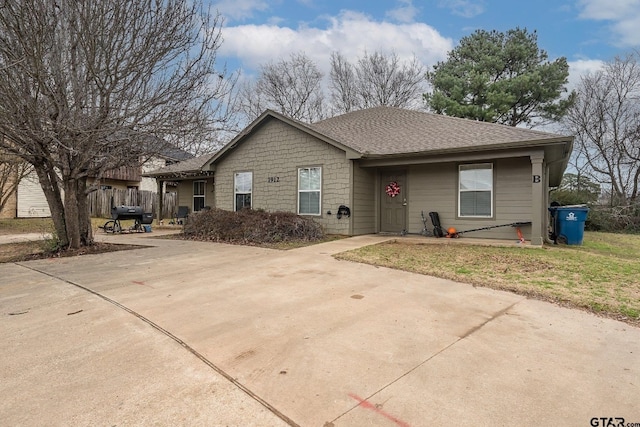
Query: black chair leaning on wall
(182, 214)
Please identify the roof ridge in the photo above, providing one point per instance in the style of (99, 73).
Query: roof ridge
(434, 115)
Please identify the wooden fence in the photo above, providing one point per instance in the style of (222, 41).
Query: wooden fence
(100, 201)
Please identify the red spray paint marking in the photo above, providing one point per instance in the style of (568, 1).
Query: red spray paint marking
(138, 282)
(368, 405)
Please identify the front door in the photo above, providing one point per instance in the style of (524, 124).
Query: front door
(393, 202)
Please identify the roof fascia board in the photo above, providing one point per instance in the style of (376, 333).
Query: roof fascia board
(464, 151)
(179, 176)
(466, 156)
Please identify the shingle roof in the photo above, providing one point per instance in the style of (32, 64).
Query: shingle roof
(190, 165)
(176, 154)
(389, 130)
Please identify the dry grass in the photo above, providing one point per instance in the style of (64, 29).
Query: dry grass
(46, 247)
(26, 251)
(25, 225)
(11, 252)
(602, 276)
(44, 225)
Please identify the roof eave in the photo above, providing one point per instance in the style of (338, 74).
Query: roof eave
(180, 175)
(491, 147)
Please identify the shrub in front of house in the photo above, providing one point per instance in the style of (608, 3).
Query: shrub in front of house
(249, 226)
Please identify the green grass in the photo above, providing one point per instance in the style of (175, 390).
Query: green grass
(602, 275)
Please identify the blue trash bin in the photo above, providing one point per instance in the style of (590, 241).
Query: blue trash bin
(569, 223)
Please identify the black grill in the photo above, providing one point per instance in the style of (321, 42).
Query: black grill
(121, 213)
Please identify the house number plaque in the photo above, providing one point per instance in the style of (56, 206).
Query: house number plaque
(273, 179)
(536, 179)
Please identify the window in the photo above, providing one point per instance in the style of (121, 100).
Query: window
(198, 195)
(309, 182)
(242, 186)
(475, 190)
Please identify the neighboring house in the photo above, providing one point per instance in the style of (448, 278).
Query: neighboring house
(387, 165)
(12, 170)
(7, 195)
(9, 209)
(31, 201)
(133, 177)
(194, 182)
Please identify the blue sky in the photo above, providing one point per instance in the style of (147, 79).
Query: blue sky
(586, 32)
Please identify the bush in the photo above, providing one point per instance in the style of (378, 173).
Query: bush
(249, 226)
(625, 219)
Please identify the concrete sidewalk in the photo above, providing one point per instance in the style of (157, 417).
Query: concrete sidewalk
(212, 334)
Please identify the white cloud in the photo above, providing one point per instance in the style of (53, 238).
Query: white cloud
(239, 9)
(464, 8)
(350, 33)
(607, 9)
(624, 16)
(582, 67)
(405, 13)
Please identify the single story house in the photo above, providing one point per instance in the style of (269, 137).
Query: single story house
(377, 170)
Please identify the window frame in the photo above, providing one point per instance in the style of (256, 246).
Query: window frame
(236, 193)
(491, 191)
(199, 196)
(319, 191)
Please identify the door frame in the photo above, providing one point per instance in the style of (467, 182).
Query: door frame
(403, 195)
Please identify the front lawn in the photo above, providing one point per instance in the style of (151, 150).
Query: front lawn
(25, 225)
(42, 225)
(602, 276)
(46, 247)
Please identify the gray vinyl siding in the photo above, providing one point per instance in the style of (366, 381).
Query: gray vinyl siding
(363, 211)
(434, 188)
(513, 197)
(276, 150)
(185, 193)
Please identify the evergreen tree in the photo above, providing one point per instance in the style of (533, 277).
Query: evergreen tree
(502, 78)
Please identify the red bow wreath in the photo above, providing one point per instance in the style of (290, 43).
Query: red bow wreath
(392, 189)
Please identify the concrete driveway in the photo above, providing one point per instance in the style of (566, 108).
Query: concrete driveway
(188, 333)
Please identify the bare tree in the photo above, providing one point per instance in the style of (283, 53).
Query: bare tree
(290, 86)
(89, 86)
(12, 170)
(606, 122)
(343, 85)
(251, 101)
(376, 80)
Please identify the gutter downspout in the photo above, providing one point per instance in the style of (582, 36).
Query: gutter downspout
(547, 166)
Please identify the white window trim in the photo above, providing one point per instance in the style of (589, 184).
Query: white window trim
(235, 193)
(200, 196)
(310, 191)
(464, 191)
